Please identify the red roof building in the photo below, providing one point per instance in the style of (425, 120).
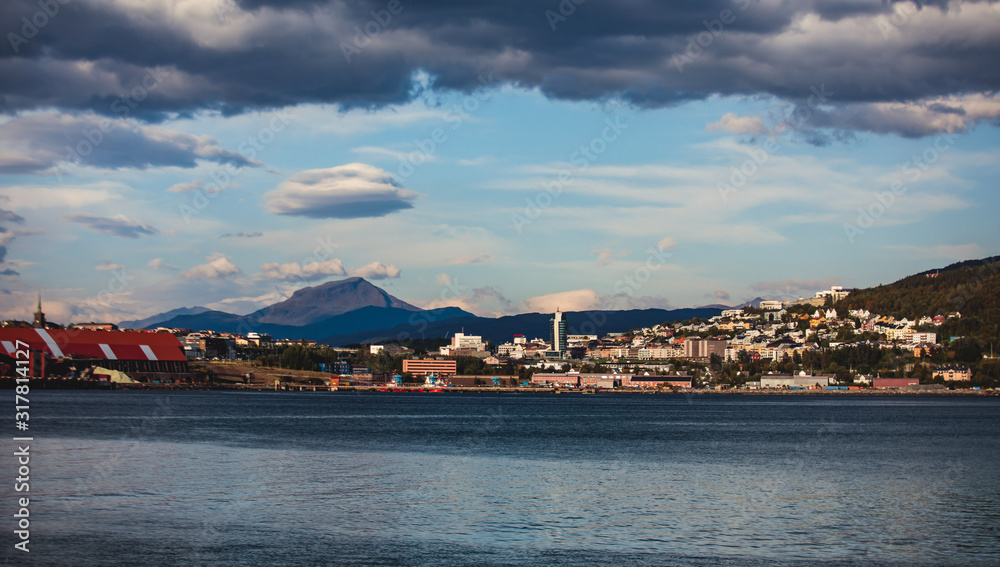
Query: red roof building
(117, 350)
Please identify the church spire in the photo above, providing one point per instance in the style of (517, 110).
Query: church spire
(39, 322)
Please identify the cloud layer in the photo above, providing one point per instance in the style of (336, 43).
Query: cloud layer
(180, 57)
(39, 142)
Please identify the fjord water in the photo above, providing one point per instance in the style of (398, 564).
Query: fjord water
(239, 478)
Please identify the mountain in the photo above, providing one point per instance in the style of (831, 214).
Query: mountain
(755, 302)
(360, 320)
(161, 317)
(313, 304)
(531, 325)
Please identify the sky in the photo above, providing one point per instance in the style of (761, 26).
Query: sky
(502, 157)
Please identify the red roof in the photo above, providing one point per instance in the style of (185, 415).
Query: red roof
(110, 345)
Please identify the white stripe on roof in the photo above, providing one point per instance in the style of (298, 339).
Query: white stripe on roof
(108, 353)
(9, 347)
(56, 351)
(148, 352)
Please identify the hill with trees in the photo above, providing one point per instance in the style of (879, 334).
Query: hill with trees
(970, 288)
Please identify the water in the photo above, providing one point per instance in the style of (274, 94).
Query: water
(227, 479)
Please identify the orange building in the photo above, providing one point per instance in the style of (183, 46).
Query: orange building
(430, 366)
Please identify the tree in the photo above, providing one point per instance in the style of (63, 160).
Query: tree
(967, 350)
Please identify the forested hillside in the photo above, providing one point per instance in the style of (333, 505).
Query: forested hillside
(970, 288)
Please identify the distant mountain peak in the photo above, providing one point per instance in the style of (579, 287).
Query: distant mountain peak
(311, 304)
(162, 317)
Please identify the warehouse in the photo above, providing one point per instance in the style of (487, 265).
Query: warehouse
(59, 352)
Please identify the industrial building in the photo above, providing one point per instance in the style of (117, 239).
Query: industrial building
(674, 381)
(59, 352)
(800, 381)
(430, 366)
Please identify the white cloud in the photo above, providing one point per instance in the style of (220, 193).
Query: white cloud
(376, 271)
(40, 196)
(219, 266)
(576, 300)
(482, 258)
(349, 191)
(108, 265)
(607, 256)
(159, 264)
(738, 124)
(308, 272)
(667, 243)
(186, 186)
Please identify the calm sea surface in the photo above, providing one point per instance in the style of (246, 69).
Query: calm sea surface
(237, 479)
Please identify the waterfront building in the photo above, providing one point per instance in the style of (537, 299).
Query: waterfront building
(953, 373)
(58, 352)
(430, 366)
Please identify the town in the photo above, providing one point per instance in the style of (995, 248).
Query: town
(807, 344)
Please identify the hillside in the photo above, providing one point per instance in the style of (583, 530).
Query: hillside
(971, 288)
(155, 320)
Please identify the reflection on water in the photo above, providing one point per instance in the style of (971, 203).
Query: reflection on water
(211, 478)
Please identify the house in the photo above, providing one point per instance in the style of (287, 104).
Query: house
(953, 373)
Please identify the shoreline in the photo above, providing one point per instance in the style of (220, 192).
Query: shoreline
(58, 384)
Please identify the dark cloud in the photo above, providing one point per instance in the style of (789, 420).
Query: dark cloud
(10, 216)
(265, 54)
(41, 141)
(117, 226)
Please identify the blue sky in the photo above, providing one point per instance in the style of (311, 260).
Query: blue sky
(497, 194)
